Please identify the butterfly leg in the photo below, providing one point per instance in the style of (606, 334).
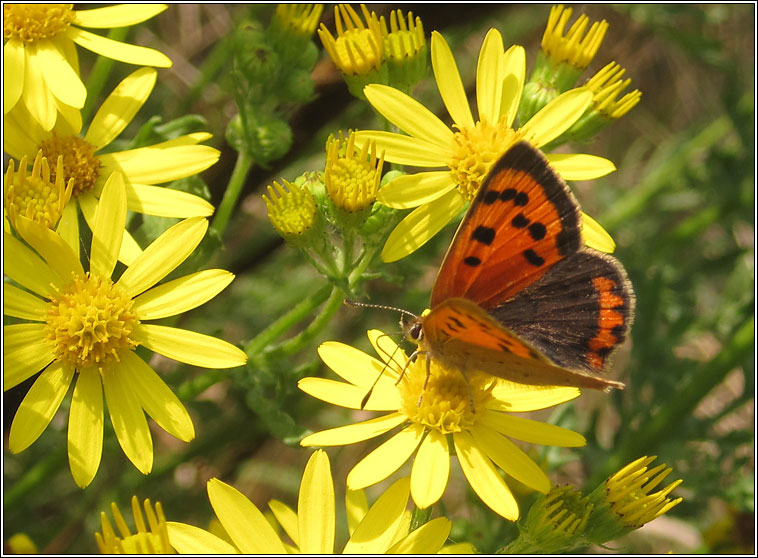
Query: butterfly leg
(470, 393)
(386, 365)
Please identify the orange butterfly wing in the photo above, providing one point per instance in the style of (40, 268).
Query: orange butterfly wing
(523, 220)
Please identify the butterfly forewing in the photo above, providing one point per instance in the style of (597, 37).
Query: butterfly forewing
(523, 220)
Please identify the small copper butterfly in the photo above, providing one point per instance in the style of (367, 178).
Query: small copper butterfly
(518, 295)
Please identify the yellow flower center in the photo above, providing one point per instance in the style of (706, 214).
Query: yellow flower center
(151, 536)
(90, 322)
(403, 40)
(475, 151)
(447, 403)
(35, 196)
(578, 46)
(351, 178)
(79, 161)
(357, 50)
(34, 22)
(291, 209)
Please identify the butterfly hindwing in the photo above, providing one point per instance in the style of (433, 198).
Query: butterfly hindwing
(523, 220)
(576, 314)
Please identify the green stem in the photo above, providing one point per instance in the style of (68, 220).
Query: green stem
(287, 321)
(233, 189)
(291, 346)
(646, 440)
(98, 77)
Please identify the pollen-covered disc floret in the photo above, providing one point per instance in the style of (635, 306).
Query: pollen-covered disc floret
(79, 161)
(34, 22)
(447, 403)
(150, 538)
(358, 48)
(90, 322)
(291, 208)
(475, 151)
(36, 196)
(352, 176)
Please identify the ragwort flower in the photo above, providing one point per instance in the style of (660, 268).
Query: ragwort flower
(469, 152)
(382, 528)
(84, 160)
(40, 62)
(431, 410)
(88, 323)
(150, 538)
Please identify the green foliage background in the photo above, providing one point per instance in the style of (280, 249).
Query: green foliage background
(681, 208)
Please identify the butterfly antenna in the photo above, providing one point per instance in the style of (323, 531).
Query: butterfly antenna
(391, 358)
(357, 304)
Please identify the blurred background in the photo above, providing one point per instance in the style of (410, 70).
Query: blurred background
(681, 208)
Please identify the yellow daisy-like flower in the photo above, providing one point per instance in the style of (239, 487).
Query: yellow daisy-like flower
(34, 195)
(85, 161)
(433, 410)
(359, 47)
(88, 323)
(380, 529)
(291, 209)
(40, 62)
(606, 85)
(468, 153)
(150, 538)
(578, 45)
(352, 176)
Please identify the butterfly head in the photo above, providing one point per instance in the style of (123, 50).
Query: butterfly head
(413, 326)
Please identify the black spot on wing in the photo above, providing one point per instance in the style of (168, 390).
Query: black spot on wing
(537, 231)
(472, 261)
(483, 235)
(520, 221)
(534, 258)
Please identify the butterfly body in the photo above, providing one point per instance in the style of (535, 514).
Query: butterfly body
(518, 296)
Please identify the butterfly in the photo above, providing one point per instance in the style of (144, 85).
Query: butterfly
(518, 295)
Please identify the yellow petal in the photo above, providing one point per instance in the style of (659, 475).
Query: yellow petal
(165, 202)
(21, 304)
(489, 77)
(431, 470)
(188, 346)
(85, 427)
(483, 477)
(353, 433)
(27, 269)
(14, 59)
(59, 76)
(39, 406)
(449, 82)
(520, 398)
(579, 166)
(24, 352)
(68, 227)
(420, 225)
(131, 54)
(386, 459)
(389, 351)
(514, 64)
(510, 458)
(128, 418)
(353, 365)
(108, 229)
(158, 164)
(156, 398)
(182, 294)
(242, 520)
(345, 395)
(409, 115)
(53, 249)
(130, 250)
(356, 508)
(316, 508)
(458, 548)
(532, 431)
(20, 137)
(37, 97)
(557, 116)
(595, 236)
(285, 517)
(412, 190)
(427, 539)
(163, 255)
(117, 111)
(122, 15)
(375, 533)
(188, 539)
(402, 149)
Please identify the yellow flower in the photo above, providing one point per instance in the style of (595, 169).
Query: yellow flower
(291, 209)
(606, 85)
(358, 48)
(468, 154)
(88, 323)
(142, 168)
(432, 408)
(382, 528)
(35, 196)
(41, 65)
(352, 176)
(150, 538)
(577, 46)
